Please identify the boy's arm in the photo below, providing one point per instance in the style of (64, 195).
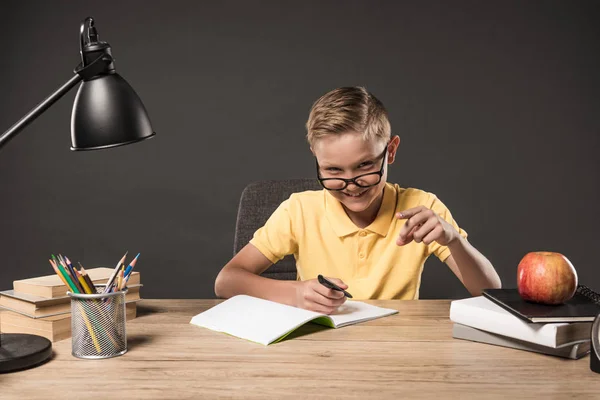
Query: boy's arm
(473, 269)
(241, 275)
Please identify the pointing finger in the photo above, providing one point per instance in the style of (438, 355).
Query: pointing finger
(406, 214)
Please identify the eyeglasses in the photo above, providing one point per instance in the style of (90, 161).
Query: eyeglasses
(363, 181)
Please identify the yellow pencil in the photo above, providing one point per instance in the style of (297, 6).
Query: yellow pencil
(83, 283)
(87, 278)
(120, 278)
(90, 329)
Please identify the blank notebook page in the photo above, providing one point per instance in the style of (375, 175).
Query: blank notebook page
(352, 312)
(253, 319)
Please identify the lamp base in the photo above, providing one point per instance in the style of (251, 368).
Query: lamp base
(21, 351)
(594, 361)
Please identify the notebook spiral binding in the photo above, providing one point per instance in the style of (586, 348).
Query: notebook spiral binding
(589, 293)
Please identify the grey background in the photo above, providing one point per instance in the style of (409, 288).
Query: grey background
(496, 104)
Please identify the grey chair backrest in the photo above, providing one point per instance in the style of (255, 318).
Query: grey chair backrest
(257, 203)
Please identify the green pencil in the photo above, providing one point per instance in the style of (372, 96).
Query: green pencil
(66, 276)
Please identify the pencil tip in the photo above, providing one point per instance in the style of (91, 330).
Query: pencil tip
(132, 263)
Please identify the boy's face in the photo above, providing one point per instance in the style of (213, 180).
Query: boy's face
(347, 156)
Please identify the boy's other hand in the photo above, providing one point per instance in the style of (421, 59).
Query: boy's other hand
(424, 225)
(313, 296)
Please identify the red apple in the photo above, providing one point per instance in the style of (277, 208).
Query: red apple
(546, 277)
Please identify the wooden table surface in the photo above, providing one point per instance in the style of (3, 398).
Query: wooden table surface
(405, 356)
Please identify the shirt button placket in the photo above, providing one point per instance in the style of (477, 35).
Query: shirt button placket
(362, 256)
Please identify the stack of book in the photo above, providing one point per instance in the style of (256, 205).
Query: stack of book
(40, 306)
(500, 317)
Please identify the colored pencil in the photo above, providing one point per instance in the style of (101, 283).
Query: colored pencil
(120, 279)
(87, 278)
(83, 283)
(69, 269)
(131, 265)
(62, 278)
(114, 274)
(90, 329)
(70, 283)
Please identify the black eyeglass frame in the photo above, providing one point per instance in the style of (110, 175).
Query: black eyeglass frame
(353, 180)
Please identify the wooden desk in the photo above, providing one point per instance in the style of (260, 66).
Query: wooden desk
(407, 355)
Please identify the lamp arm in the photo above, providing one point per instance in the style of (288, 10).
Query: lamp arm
(39, 109)
(101, 65)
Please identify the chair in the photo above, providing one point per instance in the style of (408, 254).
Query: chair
(257, 203)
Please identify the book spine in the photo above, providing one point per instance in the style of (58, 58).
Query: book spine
(503, 324)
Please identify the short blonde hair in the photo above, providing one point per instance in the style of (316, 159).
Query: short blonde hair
(348, 109)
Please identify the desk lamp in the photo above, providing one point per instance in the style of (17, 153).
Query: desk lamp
(106, 113)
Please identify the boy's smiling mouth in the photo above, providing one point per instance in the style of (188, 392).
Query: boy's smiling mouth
(358, 194)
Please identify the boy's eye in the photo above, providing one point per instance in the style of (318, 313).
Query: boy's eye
(332, 169)
(366, 164)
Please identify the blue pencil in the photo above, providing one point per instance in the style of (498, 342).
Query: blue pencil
(130, 267)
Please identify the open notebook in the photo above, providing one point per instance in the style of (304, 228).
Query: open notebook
(266, 322)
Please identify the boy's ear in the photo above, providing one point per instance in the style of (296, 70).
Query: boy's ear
(393, 148)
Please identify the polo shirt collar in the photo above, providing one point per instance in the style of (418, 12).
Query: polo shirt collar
(343, 226)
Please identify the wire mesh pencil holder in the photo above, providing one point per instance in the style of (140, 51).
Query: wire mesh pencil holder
(98, 324)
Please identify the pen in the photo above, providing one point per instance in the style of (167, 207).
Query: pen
(332, 285)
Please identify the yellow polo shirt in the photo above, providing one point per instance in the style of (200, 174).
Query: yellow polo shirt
(314, 227)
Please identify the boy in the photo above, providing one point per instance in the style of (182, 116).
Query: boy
(369, 236)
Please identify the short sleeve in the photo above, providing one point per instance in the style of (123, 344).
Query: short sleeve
(443, 252)
(276, 239)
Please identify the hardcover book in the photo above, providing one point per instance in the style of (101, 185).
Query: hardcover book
(584, 306)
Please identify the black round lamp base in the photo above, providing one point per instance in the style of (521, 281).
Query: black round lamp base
(21, 351)
(594, 361)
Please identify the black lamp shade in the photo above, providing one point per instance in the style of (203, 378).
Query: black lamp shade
(108, 113)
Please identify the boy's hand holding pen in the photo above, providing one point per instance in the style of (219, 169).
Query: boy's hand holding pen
(321, 295)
